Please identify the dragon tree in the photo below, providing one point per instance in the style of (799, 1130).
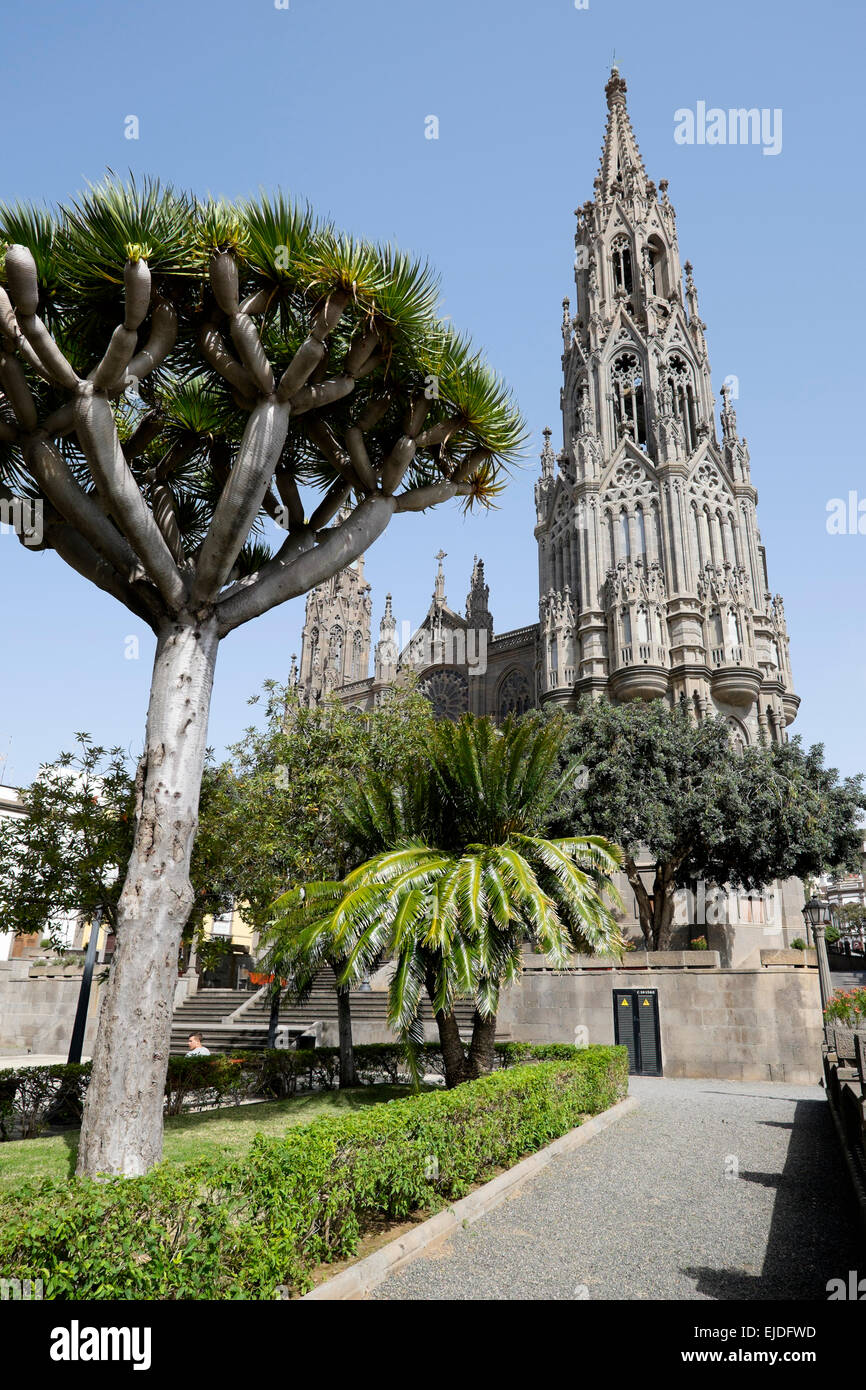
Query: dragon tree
(212, 408)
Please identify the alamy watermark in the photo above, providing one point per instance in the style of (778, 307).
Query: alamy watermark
(24, 517)
(846, 516)
(735, 126)
(21, 1290)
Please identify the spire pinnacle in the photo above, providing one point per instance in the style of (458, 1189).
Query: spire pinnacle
(621, 173)
(548, 458)
(439, 589)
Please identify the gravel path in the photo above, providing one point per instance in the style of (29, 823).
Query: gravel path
(645, 1210)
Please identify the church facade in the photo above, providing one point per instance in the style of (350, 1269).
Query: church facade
(652, 578)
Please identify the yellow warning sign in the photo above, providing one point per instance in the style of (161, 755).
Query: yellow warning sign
(646, 1003)
(623, 1003)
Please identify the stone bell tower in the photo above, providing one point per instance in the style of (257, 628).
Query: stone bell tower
(335, 643)
(652, 577)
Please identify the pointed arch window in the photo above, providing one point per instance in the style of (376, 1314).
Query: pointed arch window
(624, 535)
(554, 661)
(356, 655)
(641, 533)
(735, 635)
(337, 647)
(628, 397)
(656, 266)
(314, 647)
(643, 626)
(683, 399)
(620, 256)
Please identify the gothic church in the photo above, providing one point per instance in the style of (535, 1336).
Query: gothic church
(652, 577)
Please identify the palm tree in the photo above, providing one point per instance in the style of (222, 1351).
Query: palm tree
(462, 880)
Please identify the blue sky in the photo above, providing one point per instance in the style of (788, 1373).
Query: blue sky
(328, 99)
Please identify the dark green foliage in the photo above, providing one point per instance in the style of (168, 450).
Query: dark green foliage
(33, 1096)
(248, 1228)
(73, 846)
(657, 778)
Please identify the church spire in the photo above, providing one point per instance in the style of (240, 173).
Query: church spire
(478, 613)
(621, 173)
(439, 587)
(386, 654)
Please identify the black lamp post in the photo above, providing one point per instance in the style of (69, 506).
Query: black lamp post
(77, 1044)
(817, 915)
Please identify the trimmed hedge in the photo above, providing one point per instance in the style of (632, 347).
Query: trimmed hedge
(32, 1097)
(253, 1227)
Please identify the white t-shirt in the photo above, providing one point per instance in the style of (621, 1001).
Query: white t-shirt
(199, 1052)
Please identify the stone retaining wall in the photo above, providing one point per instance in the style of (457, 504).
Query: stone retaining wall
(37, 1008)
(738, 1025)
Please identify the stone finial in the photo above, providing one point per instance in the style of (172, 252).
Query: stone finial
(548, 458)
(616, 89)
(478, 613)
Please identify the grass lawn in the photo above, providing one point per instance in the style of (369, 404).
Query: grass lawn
(208, 1134)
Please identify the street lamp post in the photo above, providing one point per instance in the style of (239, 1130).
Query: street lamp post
(80, 1025)
(817, 915)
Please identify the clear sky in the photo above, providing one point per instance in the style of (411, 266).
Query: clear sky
(328, 98)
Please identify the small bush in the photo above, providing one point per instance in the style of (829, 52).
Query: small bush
(798, 944)
(848, 1007)
(245, 1228)
(33, 1097)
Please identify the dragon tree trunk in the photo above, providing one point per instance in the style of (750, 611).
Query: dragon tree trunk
(121, 1129)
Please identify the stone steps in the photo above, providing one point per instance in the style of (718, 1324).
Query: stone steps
(205, 1011)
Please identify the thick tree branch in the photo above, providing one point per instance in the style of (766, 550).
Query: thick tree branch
(241, 498)
(97, 434)
(18, 393)
(163, 334)
(311, 353)
(281, 579)
(77, 507)
(313, 397)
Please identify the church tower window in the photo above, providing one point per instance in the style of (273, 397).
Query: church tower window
(655, 261)
(620, 253)
(628, 397)
(683, 399)
(624, 536)
(641, 533)
(337, 647)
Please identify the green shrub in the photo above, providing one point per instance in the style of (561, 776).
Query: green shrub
(32, 1097)
(244, 1228)
(798, 944)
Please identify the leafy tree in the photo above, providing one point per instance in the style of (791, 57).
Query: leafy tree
(852, 920)
(279, 811)
(463, 878)
(68, 854)
(654, 779)
(175, 377)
